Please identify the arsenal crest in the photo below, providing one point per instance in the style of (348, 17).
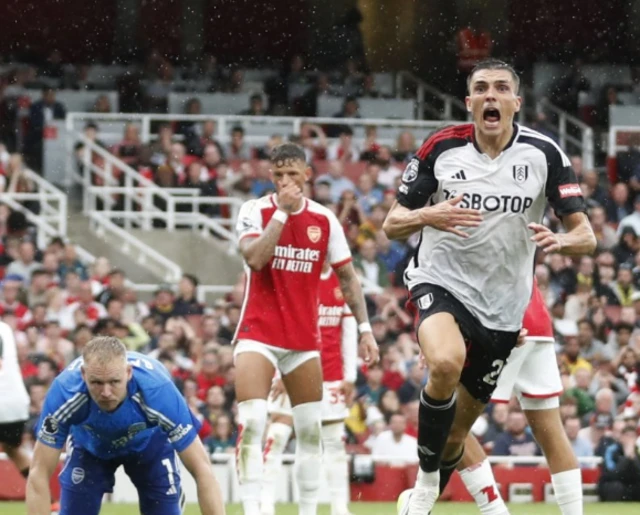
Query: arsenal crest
(520, 173)
(338, 293)
(314, 232)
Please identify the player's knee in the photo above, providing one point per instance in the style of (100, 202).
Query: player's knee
(332, 439)
(445, 369)
(307, 425)
(252, 415)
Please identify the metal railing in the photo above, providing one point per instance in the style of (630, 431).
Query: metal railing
(111, 132)
(145, 255)
(139, 198)
(50, 216)
(430, 100)
(574, 136)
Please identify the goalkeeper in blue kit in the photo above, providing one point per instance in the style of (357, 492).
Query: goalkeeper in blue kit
(112, 407)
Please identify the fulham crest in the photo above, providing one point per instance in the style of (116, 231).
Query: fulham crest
(520, 173)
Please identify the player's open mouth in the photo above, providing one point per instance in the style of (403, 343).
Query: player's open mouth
(491, 116)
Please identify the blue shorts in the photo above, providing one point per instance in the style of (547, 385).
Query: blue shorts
(85, 479)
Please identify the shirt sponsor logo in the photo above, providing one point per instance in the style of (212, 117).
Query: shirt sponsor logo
(490, 203)
(132, 431)
(77, 475)
(179, 433)
(329, 316)
(569, 190)
(411, 171)
(315, 233)
(293, 259)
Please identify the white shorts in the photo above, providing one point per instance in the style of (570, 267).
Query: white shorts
(284, 360)
(334, 407)
(532, 374)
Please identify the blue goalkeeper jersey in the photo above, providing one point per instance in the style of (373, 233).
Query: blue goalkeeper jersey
(153, 413)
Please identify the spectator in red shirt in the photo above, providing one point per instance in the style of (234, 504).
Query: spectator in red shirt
(209, 375)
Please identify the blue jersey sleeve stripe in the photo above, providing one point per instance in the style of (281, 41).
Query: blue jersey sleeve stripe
(153, 415)
(66, 411)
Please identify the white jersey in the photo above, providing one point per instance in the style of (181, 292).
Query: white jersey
(14, 399)
(491, 271)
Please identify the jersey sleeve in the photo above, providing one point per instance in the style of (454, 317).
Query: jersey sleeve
(419, 183)
(249, 220)
(58, 413)
(339, 253)
(562, 190)
(166, 407)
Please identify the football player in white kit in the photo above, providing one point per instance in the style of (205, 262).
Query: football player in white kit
(339, 336)
(531, 374)
(14, 401)
(477, 193)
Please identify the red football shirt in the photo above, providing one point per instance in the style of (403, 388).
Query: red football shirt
(280, 306)
(537, 320)
(332, 311)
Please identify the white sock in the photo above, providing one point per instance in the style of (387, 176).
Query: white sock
(482, 486)
(252, 417)
(567, 487)
(307, 424)
(336, 467)
(278, 436)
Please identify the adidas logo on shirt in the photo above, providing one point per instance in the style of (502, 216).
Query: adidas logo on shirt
(460, 176)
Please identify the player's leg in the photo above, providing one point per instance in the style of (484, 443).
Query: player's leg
(336, 461)
(302, 376)
(11, 440)
(538, 387)
(477, 476)
(475, 470)
(157, 478)
(278, 434)
(444, 350)
(84, 479)
(255, 367)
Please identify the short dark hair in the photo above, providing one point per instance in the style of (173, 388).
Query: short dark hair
(494, 64)
(192, 279)
(237, 128)
(287, 152)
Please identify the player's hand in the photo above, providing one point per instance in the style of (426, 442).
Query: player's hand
(368, 348)
(277, 389)
(347, 390)
(521, 337)
(446, 216)
(289, 198)
(546, 239)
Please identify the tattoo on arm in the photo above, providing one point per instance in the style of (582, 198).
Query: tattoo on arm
(352, 292)
(258, 251)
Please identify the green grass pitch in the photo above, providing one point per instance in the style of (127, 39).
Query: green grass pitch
(445, 508)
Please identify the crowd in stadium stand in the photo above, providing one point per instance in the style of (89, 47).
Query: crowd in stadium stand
(56, 303)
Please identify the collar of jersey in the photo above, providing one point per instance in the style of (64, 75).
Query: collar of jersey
(275, 203)
(516, 132)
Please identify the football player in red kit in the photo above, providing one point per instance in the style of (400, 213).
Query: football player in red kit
(339, 335)
(285, 239)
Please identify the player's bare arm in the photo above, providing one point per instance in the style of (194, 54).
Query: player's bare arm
(353, 296)
(43, 465)
(402, 222)
(258, 251)
(198, 464)
(579, 240)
